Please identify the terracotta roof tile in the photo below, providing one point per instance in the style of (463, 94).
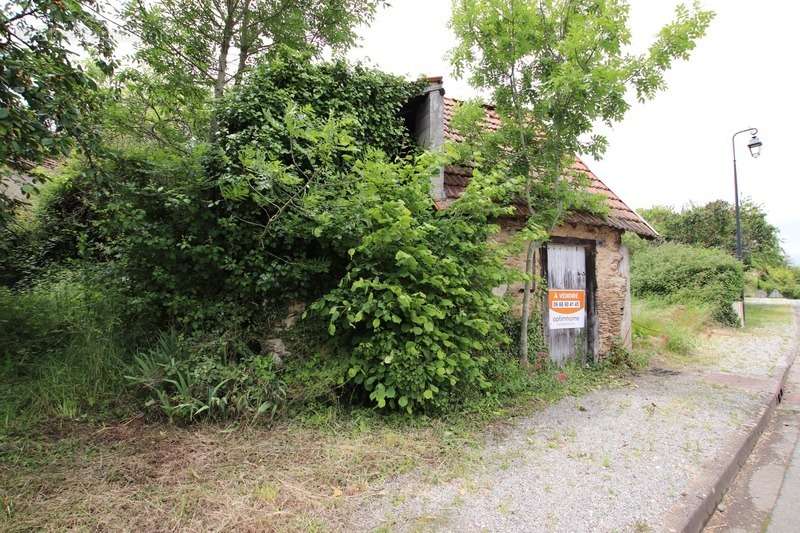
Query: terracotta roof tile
(620, 216)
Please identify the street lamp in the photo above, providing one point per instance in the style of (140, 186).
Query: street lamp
(754, 145)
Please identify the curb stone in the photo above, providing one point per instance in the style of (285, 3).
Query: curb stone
(700, 500)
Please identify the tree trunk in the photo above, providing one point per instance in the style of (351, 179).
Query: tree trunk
(222, 66)
(246, 41)
(526, 305)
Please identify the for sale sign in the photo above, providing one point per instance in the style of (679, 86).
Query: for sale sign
(567, 308)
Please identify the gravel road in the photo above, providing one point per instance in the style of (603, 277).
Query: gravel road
(613, 460)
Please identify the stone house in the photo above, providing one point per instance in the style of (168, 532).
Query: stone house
(588, 304)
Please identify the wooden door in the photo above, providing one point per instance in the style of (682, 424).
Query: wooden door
(567, 318)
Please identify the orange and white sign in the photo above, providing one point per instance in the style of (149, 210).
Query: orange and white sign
(566, 308)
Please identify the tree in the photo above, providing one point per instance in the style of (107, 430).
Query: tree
(47, 99)
(555, 68)
(212, 43)
(713, 225)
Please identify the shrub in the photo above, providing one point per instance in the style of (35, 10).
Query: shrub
(714, 226)
(785, 280)
(50, 230)
(682, 273)
(313, 193)
(415, 309)
(219, 235)
(215, 377)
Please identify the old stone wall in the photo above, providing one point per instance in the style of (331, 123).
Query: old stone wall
(610, 271)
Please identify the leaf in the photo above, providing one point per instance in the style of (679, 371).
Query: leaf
(428, 394)
(403, 401)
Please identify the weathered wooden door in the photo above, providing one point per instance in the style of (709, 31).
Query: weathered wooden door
(567, 322)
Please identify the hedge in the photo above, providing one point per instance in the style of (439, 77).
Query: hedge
(683, 273)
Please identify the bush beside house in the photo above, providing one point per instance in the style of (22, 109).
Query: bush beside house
(315, 192)
(680, 273)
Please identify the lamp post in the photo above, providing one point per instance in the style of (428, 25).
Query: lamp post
(754, 145)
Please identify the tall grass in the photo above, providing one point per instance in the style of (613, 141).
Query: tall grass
(661, 327)
(60, 353)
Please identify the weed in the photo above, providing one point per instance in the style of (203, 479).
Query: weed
(504, 508)
(186, 379)
(267, 492)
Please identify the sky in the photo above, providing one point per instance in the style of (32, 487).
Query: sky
(675, 149)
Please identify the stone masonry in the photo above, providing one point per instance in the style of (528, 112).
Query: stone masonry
(612, 280)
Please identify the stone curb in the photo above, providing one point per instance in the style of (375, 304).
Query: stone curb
(700, 501)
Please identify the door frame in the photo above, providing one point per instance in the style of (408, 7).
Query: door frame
(591, 286)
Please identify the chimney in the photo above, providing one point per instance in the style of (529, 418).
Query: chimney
(429, 128)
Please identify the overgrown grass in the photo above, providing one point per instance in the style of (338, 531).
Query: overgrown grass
(66, 355)
(660, 328)
(61, 356)
(301, 474)
(73, 457)
(74, 453)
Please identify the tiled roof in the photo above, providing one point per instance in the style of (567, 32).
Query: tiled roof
(620, 216)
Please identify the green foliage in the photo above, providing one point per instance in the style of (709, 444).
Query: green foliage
(183, 39)
(538, 349)
(194, 51)
(312, 193)
(227, 236)
(681, 273)
(368, 100)
(415, 309)
(555, 69)
(61, 350)
(143, 108)
(206, 377)
(619, 356)
(714, 225)
(48, 231)
(672, 330)
(784, 279)
(46, 99)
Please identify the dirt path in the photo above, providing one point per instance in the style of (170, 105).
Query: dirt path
(613, 460)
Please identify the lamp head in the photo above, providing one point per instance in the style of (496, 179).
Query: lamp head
(755, 146)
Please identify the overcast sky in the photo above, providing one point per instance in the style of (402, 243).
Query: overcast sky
(675, 149)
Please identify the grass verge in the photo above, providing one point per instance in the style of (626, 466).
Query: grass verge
(668, 331)
(300, 475)
(68, 462)
(760, 316)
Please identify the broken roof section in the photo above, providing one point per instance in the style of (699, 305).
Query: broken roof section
(456, 178)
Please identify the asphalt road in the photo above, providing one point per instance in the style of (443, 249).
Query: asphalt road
(766, 494)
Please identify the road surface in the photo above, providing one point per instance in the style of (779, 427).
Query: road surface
(766, 494)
